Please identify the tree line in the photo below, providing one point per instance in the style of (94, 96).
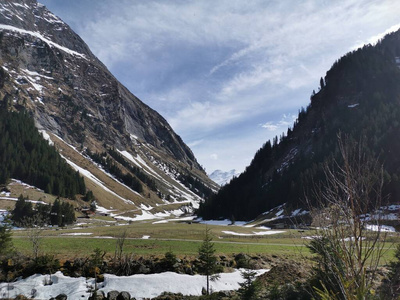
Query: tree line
(59, 213)
(27, 156)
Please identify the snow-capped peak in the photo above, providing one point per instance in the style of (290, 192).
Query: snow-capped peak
(221, 177)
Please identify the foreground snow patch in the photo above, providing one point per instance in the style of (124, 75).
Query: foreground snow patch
(139, 286)
(34, 286)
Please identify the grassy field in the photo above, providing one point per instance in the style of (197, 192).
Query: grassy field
(184, 239)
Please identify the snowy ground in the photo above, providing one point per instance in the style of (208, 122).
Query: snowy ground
(255, 233)
(139, 286)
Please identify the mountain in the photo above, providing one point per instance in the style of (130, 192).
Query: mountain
(132, 160)
(359, 98)
(221, 177)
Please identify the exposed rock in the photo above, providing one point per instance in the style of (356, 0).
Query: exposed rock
(61, 297)
(112, 295)
(124, 296)
(97, 295)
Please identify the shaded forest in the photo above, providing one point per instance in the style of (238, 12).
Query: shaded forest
(27, 156)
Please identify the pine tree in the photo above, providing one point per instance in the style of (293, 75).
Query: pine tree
(22, 210)
(322, 83)
(207, 260)
(5, 237)
(249, 288)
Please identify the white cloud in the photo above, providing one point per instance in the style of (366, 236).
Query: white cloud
(283, 124)
(374, 39)
(213, 66)
(270, 126)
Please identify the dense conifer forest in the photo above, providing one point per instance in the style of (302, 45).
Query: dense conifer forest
(59, 213)
(360, 98)
(27, 156)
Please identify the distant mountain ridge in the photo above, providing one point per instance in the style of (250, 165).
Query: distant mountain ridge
(221, 177)
(49, 71)
(359, 97)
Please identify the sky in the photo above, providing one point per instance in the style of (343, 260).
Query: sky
(227, 75)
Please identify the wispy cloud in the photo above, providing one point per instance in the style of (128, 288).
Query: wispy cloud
(282, 124)
(211, 67)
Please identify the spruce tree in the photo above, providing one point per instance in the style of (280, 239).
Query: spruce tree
(207, 260)
(5, 237)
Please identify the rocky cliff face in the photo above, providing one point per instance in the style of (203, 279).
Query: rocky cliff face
(49, 70)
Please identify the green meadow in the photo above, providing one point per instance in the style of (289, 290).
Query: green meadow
(183, 239)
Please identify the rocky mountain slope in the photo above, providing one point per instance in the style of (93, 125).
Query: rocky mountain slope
(83, 110)
(359, 98)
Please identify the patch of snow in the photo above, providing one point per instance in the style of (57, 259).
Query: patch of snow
(78, 233)
(174, 220)
(275, 208)
(93, 178)
(280, 212)
(73, 287)
(311, 237)
(138, 161)
(32, 73)
(9, 198)
(32, 81)
(145, 237)
(6, 194)
(40, 100)
(145, 207)
(46, 136)
(351, 238)
(3, 214)
(133, 137)
(144, 216)
(353, 105)
(269, 232)
(47, 41)
(101, 209)
(225, 222)
(161, 222)
(391, 207)
(383, 228)
(380, 216)
(139, 286)
(299, 212)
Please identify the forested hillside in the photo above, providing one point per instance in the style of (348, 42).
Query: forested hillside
(359, 97)
(27, 156)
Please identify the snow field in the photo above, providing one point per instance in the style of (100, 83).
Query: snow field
(139, 286)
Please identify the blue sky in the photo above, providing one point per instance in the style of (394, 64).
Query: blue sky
(227, 75)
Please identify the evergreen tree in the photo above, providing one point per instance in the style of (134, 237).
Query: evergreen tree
(207, 264)
(22, 210)
(56, 213)
(249, 288)
(5, 237)
(321, 83)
